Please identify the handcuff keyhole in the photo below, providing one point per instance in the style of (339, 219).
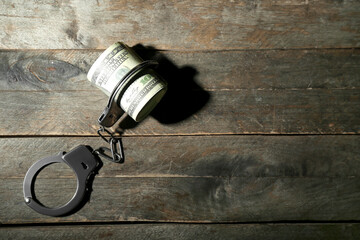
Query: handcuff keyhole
(84, 165)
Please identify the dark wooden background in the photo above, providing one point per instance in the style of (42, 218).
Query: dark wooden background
(258, 136)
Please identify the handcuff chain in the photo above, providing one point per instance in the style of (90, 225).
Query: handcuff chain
(116, 147)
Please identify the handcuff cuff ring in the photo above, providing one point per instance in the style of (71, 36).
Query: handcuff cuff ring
(82, 161)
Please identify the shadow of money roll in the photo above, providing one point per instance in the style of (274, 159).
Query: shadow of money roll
(142, 95)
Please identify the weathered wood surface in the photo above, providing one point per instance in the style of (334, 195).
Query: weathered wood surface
(199, 156)
(192, 199)
(226, 112)
(220, 179)
(56, 98)
(181, 24)
(187, 231)
(195, 160)
(65, 70)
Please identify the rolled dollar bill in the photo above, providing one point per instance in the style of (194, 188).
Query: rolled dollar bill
(142, 95)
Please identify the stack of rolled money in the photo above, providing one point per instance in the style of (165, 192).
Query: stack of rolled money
(141, 97)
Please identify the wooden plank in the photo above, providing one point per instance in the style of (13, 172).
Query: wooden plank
(181, 24)
(278, 99)
(220, 70)
(315, 111)
(188, 231)
(221, 179)
(192, 199)
(198, 156)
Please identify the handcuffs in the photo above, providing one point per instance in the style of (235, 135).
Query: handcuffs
(83, 160)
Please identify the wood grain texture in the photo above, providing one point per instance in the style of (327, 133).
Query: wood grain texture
(60, 70)
(199, 156)
(314, 111)
(193, 199)
(196, 159)
(180, 25)
(220, 179)
(188, 231)
(47, 93)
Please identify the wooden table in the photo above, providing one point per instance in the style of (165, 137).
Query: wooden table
(257, 137)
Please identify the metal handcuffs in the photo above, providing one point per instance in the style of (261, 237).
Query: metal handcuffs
(82, 159)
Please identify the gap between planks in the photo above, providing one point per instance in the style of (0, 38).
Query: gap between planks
(143, 222)
(145, 176)
(186, 135)
(182, 50)
(204, 89)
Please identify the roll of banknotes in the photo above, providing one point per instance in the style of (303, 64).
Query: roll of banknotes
(142, 95)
